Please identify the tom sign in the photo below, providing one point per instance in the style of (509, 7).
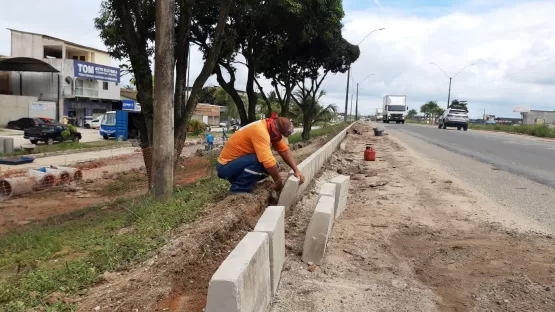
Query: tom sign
(95, 72)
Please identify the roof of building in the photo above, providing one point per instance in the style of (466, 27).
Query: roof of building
(128, 93)
(26, 64)
(64, 41)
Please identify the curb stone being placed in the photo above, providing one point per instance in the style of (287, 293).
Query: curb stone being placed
(328, 189)
(310, 167)
(341, 192)
(242, 282)
(272, 223)
(318, 231)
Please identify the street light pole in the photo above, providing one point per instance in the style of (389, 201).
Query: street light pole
(449, 94)
(450, 79)
(347, 92)
(356, 109)
(349, 74)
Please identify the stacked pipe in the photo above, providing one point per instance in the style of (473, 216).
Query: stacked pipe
(36, 180)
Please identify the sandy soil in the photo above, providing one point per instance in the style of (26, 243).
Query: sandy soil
(413, 239)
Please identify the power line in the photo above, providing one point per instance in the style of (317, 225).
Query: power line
(524, 69)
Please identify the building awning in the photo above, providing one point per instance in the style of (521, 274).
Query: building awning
(26, 64)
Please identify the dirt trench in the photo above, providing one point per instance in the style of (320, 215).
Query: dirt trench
(412, 239)
(177, 278)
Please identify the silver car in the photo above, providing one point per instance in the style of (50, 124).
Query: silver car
(453, 118)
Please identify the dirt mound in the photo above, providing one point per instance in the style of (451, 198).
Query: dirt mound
(486, 269)
(177, 278)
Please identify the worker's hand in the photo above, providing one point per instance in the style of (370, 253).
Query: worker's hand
(278, 185)
(299, 175)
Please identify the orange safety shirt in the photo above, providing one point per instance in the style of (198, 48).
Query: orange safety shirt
(253, 138)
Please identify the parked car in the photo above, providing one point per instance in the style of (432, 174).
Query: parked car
(50, 133)
(48, 120)
(453, 118)
(24, 123)
(95, 123)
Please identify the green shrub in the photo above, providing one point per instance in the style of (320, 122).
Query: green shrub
(196, 127)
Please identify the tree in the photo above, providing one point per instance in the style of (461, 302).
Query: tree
(162, 153)
(206, 95)
(319, 112)
(412, 113)
(431, 109)
(127, 29)
(321, 57)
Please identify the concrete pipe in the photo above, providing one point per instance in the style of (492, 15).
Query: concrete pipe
(75, 174)
(62, 176)
(44, 180)
(8, 145)
(10, 187)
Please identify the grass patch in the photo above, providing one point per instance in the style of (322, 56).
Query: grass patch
(541, 131)
(64, 146)
(124, 184)
(330, 129)
(69, 253)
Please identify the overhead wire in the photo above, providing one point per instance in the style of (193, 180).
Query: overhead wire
(524, 69)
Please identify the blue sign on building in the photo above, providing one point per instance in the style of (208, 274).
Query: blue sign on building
(95, 72)
(130, 105)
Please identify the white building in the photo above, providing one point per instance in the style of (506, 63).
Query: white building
(85, 87)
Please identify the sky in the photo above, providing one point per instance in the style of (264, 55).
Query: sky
(510, 43)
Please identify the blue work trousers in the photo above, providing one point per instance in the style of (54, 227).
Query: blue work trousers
(243, 173)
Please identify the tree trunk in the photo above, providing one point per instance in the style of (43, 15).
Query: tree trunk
(229, 87)
(252, 97)
(205, 72)
(307, 126)
(162, 152)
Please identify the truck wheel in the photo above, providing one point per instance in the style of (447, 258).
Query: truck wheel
(34, 141)
(438, 125)
(459, 128)
(444, 125)
(465, 128)
(403, 122)
(106, 137)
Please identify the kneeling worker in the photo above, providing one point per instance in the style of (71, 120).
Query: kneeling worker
(247, 156)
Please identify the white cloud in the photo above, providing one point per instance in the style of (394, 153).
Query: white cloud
(377, 2)
(500, 37)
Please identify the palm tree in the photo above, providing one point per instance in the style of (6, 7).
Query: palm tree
(431, 109)
(309, 110)
(412, 113)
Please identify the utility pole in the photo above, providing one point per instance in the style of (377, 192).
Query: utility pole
(356, 107)
(449, 94)
(351, 113)
(163, 140)
(347, 93)
(349, 76)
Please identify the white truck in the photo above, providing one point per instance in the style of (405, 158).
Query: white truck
(379, 114)
(395, 108)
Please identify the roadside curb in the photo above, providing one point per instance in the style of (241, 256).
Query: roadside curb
(249, 277)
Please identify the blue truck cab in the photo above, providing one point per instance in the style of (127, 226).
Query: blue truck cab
(119, 124)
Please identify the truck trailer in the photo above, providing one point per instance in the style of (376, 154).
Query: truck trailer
(379, 114)
(395, 108)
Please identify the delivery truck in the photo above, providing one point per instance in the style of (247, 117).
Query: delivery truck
(395, 108)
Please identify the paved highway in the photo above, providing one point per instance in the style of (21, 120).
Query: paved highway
(517, 172)
(530, 157)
